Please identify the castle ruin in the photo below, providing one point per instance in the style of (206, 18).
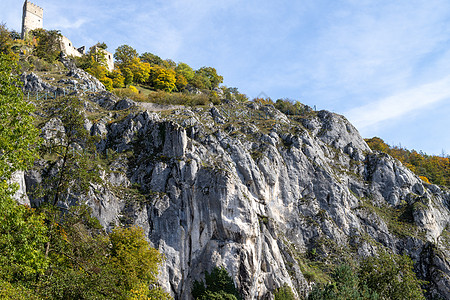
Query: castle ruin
(33, 18)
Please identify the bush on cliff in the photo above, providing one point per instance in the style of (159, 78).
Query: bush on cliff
(218, 285)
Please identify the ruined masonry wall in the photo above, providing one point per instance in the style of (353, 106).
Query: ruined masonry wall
(68, 48)
(109, 60)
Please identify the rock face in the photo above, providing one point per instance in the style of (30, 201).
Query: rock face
(263, 194)
(86, 82)
(21, 194)
(34, 83)
(78, 81)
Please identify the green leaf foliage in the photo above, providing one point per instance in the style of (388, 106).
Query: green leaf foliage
(22, 231)
(289, 108)
(218, 285)
(18, 136)
(125, 54)
(22, 239)
(345, 285)
(388, 276)
(6, 39)
(73, 160)
(9, 291)
(185, 70)
(284, 293)
(206, 78)
(391, 276)
(87, 263)
(132, 258)
(151, 58)
(48, 45)
(232, 93)
(162, 79)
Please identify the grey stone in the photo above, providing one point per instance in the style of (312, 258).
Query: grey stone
(124, 104)
(33, 83)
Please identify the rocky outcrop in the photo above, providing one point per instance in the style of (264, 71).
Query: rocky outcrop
(34, 83)
(110, 101)
(78, 81)
(86, 82)
(263, 194)
(18, 178)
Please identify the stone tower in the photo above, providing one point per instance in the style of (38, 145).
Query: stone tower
(32, 17)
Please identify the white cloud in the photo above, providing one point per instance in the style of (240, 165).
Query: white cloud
(400, 104)
(65, 23)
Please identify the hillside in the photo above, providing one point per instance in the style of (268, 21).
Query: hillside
(276, 199)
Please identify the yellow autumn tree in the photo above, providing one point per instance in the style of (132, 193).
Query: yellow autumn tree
(136, 263)
(140, 70)
(162, 78)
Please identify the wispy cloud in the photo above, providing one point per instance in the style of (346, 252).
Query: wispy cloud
(401, 104)
(65, 23)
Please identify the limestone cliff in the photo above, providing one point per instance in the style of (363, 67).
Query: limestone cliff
(271, 197)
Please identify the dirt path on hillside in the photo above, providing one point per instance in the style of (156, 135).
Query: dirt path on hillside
(157, 107)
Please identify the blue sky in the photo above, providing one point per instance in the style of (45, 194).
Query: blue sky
(385, 65)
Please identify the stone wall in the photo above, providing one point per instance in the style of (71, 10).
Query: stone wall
(68, 48)
(32, 17)
(108, 56)
(109, 59)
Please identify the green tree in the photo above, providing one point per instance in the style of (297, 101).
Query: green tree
(218, 285)
(22, 240)
(9, 291)
(22, 233)
(211, 75)
(117, 78)
(94, 61)
(73, 161)
(87, 263)
(169, 64)
(97, 70)
(391, 276)
(102, 45)
(128, 76)
(289, 108)
(77, 252)
(125, 54)
(201, 81)
(151, 58)
(48, 44)
(185, 70)
(345, 286)
(284, 293)
(141, 71)
(18, 136)
(108, 83)
(181, 82)
(232, 93)
(5, 39)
